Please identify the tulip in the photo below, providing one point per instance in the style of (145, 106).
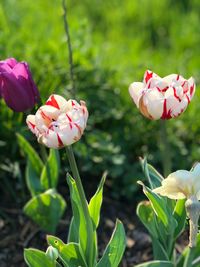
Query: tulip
(17, 87)
(185, 184)
(59, 122)
(162, 98)
(181, 184)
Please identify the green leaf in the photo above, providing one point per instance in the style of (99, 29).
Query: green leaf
(49, 176)
(146, 214)
(46, 209)
(73, 232)
(115, 248)
(71, 255)
(180, 216)
(158, 204)
(152, 175)
(32, 180)
(78, 214)
(37, 258)
(96, 202)
(159, 252)
(156, 264)
(68, 253)
(31, 154)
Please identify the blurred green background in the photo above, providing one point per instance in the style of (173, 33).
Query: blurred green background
(114, 42)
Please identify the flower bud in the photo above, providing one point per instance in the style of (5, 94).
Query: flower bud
(17, 87)
(52, 253)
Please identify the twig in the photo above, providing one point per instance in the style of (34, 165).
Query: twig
(70, 52)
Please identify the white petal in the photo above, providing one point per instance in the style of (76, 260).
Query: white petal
(58, 102)
(170, 192)
(154, 101)
(50, 140)
(148, 75)
(30, 120)
(196, 169)
(69, 134)
(135, 90)
(172, 77)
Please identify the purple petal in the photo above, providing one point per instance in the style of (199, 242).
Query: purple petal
(15, 95)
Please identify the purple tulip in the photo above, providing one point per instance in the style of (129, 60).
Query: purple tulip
(17, 87)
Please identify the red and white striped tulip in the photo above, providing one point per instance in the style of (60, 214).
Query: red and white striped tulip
(59, 122)
(162, 98)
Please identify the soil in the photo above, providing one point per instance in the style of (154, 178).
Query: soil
(18, 232)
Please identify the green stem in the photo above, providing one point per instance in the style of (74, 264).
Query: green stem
(89, 226)
(70, 52)
(189, 258)
(165, 148)
(45, 158)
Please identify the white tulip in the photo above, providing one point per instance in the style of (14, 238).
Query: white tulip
(59, 122)
(162, 98)
(185, 184)
(181, 184)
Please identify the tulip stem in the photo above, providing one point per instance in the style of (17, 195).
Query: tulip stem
(70, 52)
(165, 148)
(84, 203)
(189, 258)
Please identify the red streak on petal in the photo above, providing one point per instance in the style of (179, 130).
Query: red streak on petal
(45, 117)
(73, 104)
(165, 89)
(60, 143)
(166, 114)
(53, 102)
(191, 89)
(149, 85)
(69, 118)
(188, 99)
(178, 76)
(149, 75)
(158, 89)
(175, 95)
(78, 127)
(32, 125)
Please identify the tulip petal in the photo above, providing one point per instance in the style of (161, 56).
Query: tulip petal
(154, 101)
(30, 120)
(58, 102)
(135, 90)
(14, 94)
(196, 169)
(148, 76)
(10, 61)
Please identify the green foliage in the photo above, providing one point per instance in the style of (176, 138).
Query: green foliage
(156, 264)
(74, 253)
(46, 206)
(50, 172)
(78, 215)
(37, 258)
(46, 209)
(165, 220)
(96, 202)
(115, 248)
(30, 153)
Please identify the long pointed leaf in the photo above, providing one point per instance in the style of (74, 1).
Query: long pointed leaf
(115, 248)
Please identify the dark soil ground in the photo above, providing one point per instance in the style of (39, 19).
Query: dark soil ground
(18, 232)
